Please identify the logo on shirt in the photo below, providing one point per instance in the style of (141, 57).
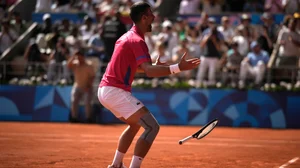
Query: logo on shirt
(138, 103)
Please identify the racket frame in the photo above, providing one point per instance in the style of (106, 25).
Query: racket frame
(195, 135)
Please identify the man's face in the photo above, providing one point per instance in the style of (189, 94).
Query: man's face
(148, 19)
(256, 49)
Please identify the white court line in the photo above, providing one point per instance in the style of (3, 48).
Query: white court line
(289, 162)
(57, 135)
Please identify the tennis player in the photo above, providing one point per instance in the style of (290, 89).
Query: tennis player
(130, 56)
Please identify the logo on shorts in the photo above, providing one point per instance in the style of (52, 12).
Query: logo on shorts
(138, 103)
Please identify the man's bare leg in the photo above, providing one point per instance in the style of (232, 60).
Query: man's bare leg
(142, 146)
(125, 141)
(144, 143)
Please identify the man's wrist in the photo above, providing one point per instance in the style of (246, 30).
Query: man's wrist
(174, 68)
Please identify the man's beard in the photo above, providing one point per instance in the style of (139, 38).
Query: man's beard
(149, 28)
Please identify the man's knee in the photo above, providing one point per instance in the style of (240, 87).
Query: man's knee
(151, 126)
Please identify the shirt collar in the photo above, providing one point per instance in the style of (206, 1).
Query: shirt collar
(138, 31)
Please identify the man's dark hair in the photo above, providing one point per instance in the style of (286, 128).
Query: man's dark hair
(137, 10)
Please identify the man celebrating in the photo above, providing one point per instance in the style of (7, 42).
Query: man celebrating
(114, 93)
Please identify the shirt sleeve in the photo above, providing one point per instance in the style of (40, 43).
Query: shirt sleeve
(141, 53)
(266, 58)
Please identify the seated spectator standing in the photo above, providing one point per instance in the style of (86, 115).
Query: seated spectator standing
(232, 60)
(289, 50)
(210, 59)
(35, 58)
(113, 29)
(46, 27)
(226, 30)
(254, 65)
(96, 50)
(18, 24)
(58, 60)
(179, 50)
(7, 36)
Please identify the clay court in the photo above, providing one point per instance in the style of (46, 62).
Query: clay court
(57, 145)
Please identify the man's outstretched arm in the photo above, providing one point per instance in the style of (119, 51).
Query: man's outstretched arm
(163, 70)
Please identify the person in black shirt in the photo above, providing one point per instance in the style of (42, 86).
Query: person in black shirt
(113, 29)
(58, 60)
(210, 59)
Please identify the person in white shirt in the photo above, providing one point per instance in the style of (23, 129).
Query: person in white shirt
(289, 50)
(291, 6)
(243, 44)
(7, 36)
(164, 55)
(168, 36)
(189, 7)
(226, 29)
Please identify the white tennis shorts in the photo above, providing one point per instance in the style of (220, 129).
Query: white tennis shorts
(120, 102)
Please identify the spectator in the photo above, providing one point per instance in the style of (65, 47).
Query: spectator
(212, 44)
(105, 6)
(254, 65)
(125, 8)
(7, 36)
(181, 27)
(168, 36)
(212, 25)
(249, 30)
(18, 24)
(289, 50)
(226, 30)
(284, 26)
(58, 60)
(34, 58)
(161, 51)
(46, 27)
(89, 7)
(272, 28)
(74, 40)
(291, 6)
(87, 29)
(265, 41)
(84, 76)
(203, 22)
(96, 50)
(211, 7)
(189, 7)
(177, 52)
(194, 41)
(65, 28)
(113, 29)
(43, 6)
(232, 61)
(274, 6)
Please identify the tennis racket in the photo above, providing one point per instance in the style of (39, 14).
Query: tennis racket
(205, 130)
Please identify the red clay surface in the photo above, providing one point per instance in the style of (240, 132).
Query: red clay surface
(57, 145)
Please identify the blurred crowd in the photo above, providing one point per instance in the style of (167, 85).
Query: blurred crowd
(232, 54)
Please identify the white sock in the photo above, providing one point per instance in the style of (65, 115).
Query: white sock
(118, 159)
(136, 162)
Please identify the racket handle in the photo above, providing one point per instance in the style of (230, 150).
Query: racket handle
(185, 139)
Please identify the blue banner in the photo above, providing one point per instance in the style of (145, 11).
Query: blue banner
(234, 108)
